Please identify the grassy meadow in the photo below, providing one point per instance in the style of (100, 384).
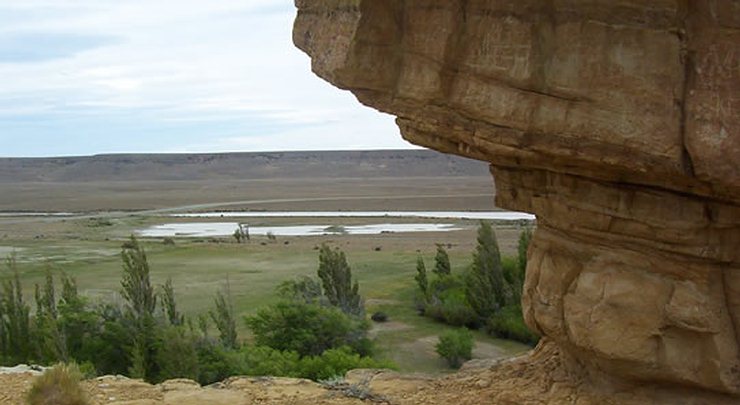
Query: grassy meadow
(88, 249)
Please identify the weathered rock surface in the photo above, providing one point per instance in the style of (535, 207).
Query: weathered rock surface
(618, 124)
(536, 379)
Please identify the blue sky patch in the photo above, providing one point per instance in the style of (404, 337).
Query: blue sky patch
(40, 47)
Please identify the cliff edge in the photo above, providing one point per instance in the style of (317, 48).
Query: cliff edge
(618, 125)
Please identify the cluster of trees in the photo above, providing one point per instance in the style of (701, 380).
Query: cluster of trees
(487, 295)
(316, 331)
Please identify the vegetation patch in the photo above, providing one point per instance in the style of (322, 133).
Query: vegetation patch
(59, 385)
(487, 295)
(455, 346)
(317, 330)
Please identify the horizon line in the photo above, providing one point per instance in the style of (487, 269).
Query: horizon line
(234, 152)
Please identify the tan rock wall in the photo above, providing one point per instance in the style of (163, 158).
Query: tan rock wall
(617, 123)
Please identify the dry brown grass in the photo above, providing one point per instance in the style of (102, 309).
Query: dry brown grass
(59, 385)
(398, 193)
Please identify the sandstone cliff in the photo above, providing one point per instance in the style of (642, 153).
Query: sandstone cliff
(618, 125)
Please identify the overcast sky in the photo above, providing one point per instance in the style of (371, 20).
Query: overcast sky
(80, 77)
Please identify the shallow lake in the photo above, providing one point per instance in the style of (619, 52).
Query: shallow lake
(213, 229)
(492, 215)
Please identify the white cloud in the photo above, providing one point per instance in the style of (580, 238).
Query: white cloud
(340, 134)
(189, 61)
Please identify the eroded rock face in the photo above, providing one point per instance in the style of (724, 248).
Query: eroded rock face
(617, 123)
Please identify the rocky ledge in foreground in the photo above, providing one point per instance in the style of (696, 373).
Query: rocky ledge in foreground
(618, 125)
(536, 378)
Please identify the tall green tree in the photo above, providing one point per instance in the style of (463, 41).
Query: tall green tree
(223, 317)
(48, 302)
(486, 288)
(169, 304)
(421, 277)
(48, 339)
(336, 278)
(442, 262)
(303, 289)
(137, 288)
(515, 274)
(523, 246)
(16, 321)
(141, 301)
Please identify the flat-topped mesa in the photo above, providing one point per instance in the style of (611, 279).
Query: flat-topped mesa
(617, 123)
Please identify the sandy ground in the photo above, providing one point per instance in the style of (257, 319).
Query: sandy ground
(401, 193)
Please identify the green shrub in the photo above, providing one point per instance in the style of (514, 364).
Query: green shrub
(176, 356)
(525, 238)
(302, 289)
(108, 347)
(87, 370)
(510, 266)
(266, 361)
(452, 312)
(514, 275)
(379, 316)
(308, 329)
(59, 385)
(455, 346)
(216, 363)
(452, 309)
(336, 362)
(508, 323)
(445, 284)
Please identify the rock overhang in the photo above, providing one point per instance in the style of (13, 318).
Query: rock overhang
(617, 124)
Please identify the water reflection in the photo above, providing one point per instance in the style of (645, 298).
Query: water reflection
(491, 215)
(212, 229)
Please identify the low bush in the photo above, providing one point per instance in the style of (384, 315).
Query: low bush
(508, 323)
(176, 355)
(87, 370)
(455, 346)
(379, 317)
(59, 385)
(452, 309)
(336, 362)
(308, 329)
(265, 361)
(215, 363)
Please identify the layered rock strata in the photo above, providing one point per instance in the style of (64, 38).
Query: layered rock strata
(616, 123)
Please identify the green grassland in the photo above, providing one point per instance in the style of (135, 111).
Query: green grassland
(383, 264)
